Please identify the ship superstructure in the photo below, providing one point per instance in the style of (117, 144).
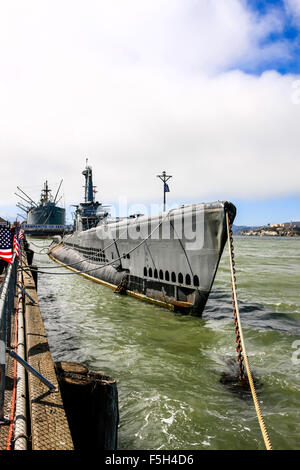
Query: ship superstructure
(170, 259)
(45, 217)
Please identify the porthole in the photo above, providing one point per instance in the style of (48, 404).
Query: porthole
(180, 278)
(188, 280)
(167, 276)
(145, 271)
(161, 274)
(150, 272)
(173, 277)
(196, 281)
(155, 274)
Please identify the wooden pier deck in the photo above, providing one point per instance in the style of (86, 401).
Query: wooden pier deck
(47, 426)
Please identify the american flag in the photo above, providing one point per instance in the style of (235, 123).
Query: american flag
(21, 234)
(6, 251)
(16, 246)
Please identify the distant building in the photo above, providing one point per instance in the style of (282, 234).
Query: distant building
(3, 222)
(291, 224)
(285, 225)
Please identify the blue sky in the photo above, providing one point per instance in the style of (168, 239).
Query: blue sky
(261, 212)
(287, 208)
(208, 90)
(288, 33)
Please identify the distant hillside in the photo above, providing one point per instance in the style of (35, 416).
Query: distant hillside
(272, 230)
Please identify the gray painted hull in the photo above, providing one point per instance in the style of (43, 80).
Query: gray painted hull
(170, 259)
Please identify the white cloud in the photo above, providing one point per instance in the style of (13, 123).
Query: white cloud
(140, 87)
(293, 9)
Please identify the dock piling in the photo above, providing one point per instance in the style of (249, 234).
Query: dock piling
(96, 396)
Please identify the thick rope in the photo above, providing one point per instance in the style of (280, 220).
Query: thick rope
(253, 392)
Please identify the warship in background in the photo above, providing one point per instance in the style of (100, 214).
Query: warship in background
(145, 256)
(44, 218)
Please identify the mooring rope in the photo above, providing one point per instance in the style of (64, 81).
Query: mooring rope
(106, 264)
(245, 357)
(39, 253)
(78, 262)
(40, 246)
(37, 268)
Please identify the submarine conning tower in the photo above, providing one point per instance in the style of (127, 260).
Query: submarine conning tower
(89, 189)
(86, 215)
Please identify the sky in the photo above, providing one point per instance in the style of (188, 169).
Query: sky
(207, 90)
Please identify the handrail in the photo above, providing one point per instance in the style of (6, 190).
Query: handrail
(6, 304)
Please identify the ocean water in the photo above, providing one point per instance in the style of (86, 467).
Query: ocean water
(169, 367)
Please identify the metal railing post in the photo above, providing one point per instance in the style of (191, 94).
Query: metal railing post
(32, 370)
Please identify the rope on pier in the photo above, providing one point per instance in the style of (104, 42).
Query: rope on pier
(241, 348)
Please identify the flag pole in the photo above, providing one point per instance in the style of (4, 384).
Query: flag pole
(164, 178)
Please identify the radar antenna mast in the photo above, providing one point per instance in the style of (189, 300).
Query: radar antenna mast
(164, 178)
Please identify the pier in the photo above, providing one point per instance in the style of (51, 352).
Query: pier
(40, 399)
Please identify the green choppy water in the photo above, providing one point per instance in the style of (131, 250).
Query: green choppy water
(168, 366)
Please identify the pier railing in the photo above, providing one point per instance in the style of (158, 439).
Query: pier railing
(7, 295)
